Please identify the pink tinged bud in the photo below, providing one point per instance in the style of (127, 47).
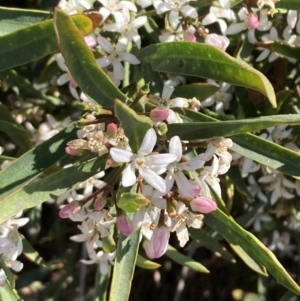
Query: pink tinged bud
(189, 37)
(203, 205)
(220, 42)
(159, 114)
(112, 129)
(72, 207)
(196, 187)
(125, 225)
(253, 20)
(90, 41)
(73, 84)
(74, 152)
(99, 204)
(158, 243)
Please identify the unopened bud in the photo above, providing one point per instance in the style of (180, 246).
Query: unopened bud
(203, 205)
(72, 207)
(112, 129)
(99, 204)
(124, 224)
(253, 20)
(159, 114)
(74, 152)
(220, 42)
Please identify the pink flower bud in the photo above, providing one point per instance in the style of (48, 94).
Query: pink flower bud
(74, 152)
(112, 129)
(188, 36)
(159, 114)
(196, 187)
(217, 41)
(99, 204)
(124, 224)
(157, 245)
(72, 207)
(90, 41)
(253, 20)
(73, 83)
(203, 205)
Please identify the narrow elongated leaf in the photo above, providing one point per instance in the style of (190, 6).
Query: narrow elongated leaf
(31, 254)
(252, 264)
(9, 294)
(226, 226)
(286, 49)
(101, 285)
(16, 132)
(124, 265)
(196, 59)
(185, 260)
(35, 162)
(203, 239)
(49, 187)
(13, 19)
(82, 64)
(256, 148)
(135, 126)
(34, 42)
(204, 130)
(201, 91)
(288, 4)
(146, 264)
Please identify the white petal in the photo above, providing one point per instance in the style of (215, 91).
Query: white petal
(104, 61)
(175, 147)
(127, 4)
(189, 11)
(209, 19)
(163, 7)
(128, 178)
(105, 44)
(64, 78)
(184, 186)
(148, 143)
(292, 18)
(153, 179)
(160, 159)
(121, 155)
(236, 28)
(118, 70)
(131, 58)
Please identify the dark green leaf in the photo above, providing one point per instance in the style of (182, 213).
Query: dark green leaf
(49, 187)
(127, 251)
(9, 294)
(288, 4)
(12, 19)
(31, 253)
(234, 233)
(185, 260)
(135, 126)
(205, 130)
(34, 42)
(35, 162)
(82, 64)
(202, 60)
(292, 51)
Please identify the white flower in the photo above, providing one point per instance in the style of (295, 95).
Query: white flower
(143, 162)
(176, 6)
(128, 29)
(185, 187)
(102, 259)
(116, 56)
(217, 41)
(73, 6)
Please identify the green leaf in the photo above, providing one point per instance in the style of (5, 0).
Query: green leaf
(9, 274)
(131, 201)
(256, 148)
(201, 60)
(9, 294)
(185, 260)
(13, 19)
(281, 96)
(31, 254)
(286, 49)
(252, 264)
(14, 130)
(124, 265)
(200, 90)
(201, 238)
(288, 4)
(101, 285)
(135, 126)
(82, 64)
(204, 130)
(146, 264)
(35, 162)
(34, 42)
(234, 233)
(49, 187)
